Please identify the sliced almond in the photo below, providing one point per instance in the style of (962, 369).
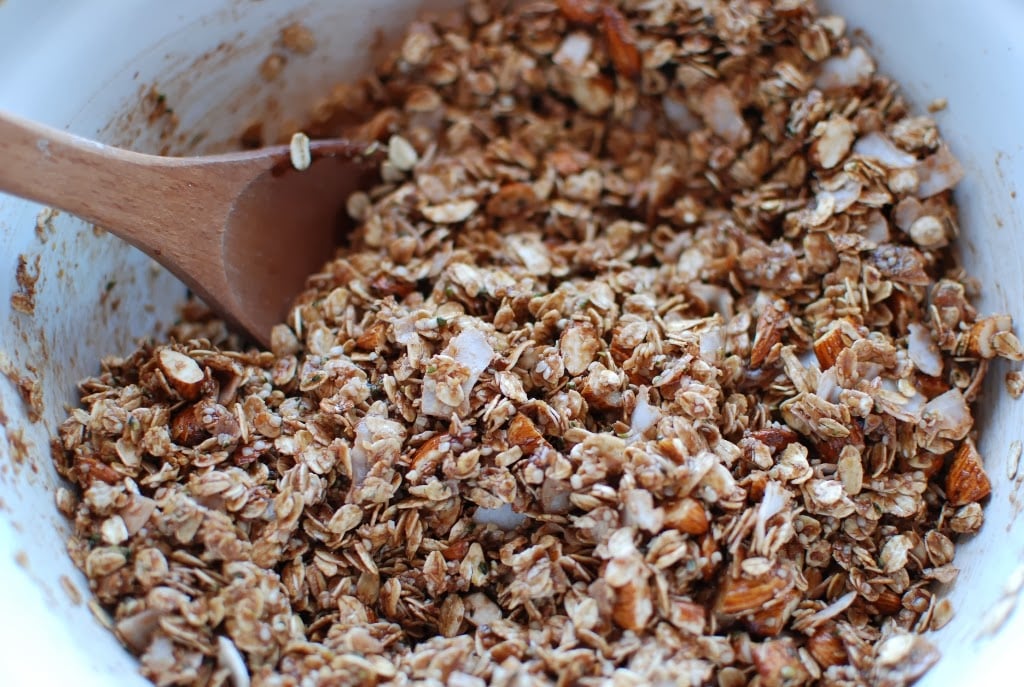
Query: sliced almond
(889, 602)
(524, 434)
(769, 332)
(182, 373)
(745, 595)
(373, 338)
(633, 606)
(513, 200)
(775, 438)
(688, 516)
(770, 620)
(428, 455)
(989, 337)
(91, 470)
(828, 347)
(390, 285)
(688, 616)
(830, 449)
(967, 481)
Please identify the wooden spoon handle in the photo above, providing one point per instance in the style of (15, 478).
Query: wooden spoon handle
(109, 186)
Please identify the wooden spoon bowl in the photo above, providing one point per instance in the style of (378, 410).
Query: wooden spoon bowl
(242, 230)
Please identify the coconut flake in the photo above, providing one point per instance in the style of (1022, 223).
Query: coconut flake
(906, 212)
(137, 630)
(373, 434)
(876, 228)
(846, 71)
(678, 114)
(947, 415)
(914, 407)
(938, 172)
(482, 611)
(404, 329)
(360, 465)
(639, 511)
(842, 197)
(471, 349)
(228, 656)
(574, 50)
(828, 386)
(554, 496)
(869, 371)
(160, 655)
(722, 115)
(922, 350)
(531, 253)
(877, 146)
(644, 415)
(137, 512)
(503, 516)
(775, 499)
(718, 298)
(711, 344)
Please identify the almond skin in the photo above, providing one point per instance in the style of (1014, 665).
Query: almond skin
(828, 347)
(186, 427)
(827, 648)
(621, 46)
(967, 481)
(687, 516)
(524, 434)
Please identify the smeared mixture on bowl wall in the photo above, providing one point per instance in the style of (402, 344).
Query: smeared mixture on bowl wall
(648, 362)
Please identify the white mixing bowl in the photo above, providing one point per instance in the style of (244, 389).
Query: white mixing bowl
(72, 64)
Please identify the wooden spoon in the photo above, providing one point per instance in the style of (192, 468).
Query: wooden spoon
(242, 230)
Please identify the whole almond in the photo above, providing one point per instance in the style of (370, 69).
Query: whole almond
(187, 428)
(827, 648)
(967, 481)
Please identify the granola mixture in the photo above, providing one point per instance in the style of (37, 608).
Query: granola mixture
(648, 364)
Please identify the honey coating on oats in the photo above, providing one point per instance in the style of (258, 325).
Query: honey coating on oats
(648, 364)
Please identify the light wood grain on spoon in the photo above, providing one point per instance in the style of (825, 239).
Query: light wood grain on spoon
(242, 230)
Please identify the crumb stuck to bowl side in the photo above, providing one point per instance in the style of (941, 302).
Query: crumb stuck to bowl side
(648, 358)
